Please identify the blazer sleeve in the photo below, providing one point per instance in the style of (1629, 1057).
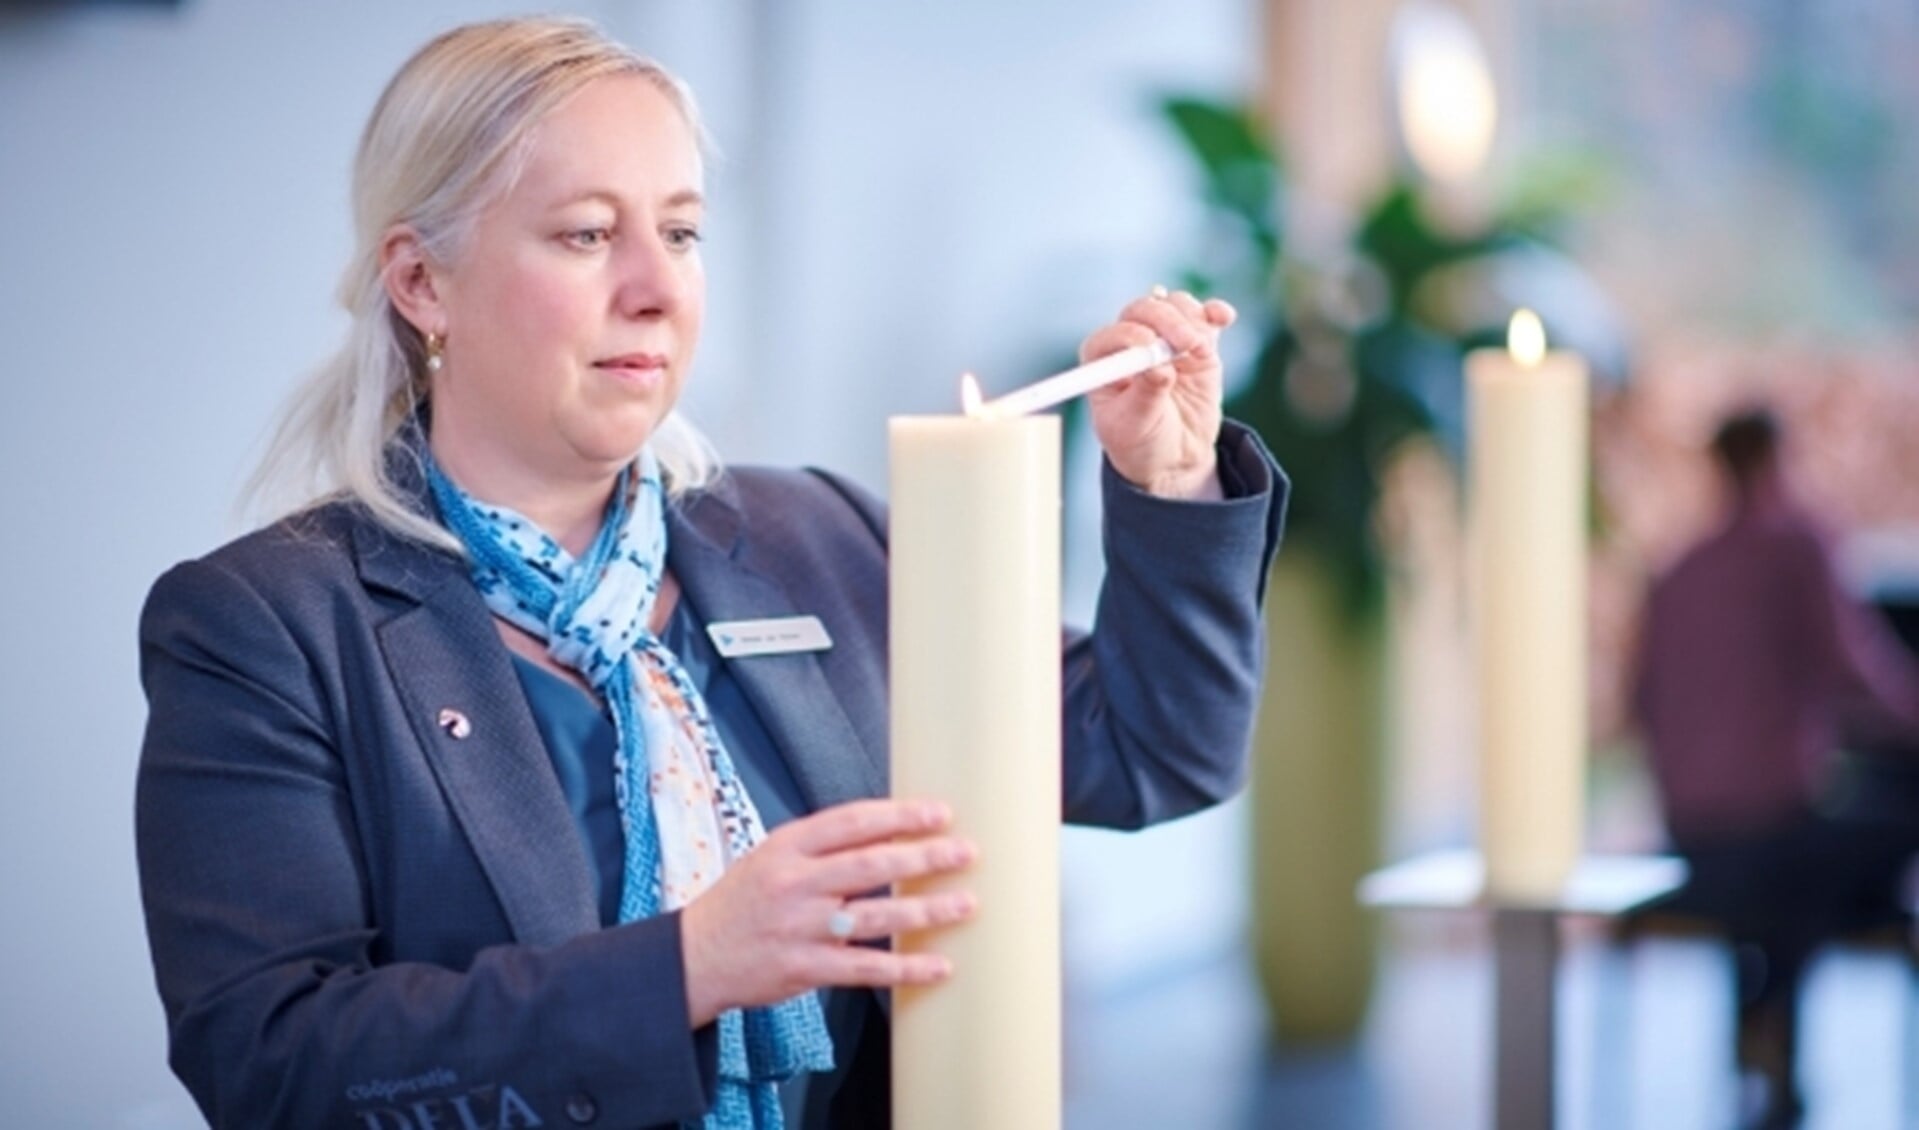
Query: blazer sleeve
(1160, 695)
(259, 916)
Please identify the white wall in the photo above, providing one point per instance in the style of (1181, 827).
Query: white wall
(910, 190)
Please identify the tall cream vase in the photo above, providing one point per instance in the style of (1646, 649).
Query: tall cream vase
(1316, 803)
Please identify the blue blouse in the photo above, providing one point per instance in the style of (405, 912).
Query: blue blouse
(580, 741)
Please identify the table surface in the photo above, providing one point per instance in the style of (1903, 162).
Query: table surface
(1455, 879)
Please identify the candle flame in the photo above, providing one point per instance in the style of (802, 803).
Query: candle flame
(1526, 338)
(970, 401)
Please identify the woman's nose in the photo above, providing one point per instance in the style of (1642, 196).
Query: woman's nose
(649, 280)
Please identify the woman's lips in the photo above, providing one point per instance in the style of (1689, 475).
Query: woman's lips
(646, 369)
(633, 361)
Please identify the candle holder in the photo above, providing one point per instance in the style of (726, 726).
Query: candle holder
(1525, 951)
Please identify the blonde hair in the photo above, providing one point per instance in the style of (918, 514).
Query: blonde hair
(449, 134)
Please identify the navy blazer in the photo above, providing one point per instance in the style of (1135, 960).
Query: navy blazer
(361, 917)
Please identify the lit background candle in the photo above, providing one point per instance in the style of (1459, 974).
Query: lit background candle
(975, 670)
(1527, 510)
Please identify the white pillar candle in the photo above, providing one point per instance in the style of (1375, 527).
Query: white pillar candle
(1527, 514)
(975, 673)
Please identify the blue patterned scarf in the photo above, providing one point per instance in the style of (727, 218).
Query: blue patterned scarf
(682, 806)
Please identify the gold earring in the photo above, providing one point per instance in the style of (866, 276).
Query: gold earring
(435, 347)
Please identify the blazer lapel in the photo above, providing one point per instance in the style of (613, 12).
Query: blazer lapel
(444, 654)
(798, 706)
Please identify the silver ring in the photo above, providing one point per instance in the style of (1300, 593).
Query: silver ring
(840, 924)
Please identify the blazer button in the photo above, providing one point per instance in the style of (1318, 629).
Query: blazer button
(582, 1109)
(455, 723)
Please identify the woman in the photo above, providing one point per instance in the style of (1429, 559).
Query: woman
(448, 813)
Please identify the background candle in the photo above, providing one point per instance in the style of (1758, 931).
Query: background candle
(1527, 511)
(975, 671)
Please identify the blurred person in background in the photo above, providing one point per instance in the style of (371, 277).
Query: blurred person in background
(1753, 661)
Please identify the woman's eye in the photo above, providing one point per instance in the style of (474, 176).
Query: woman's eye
(589, 239)
(683, 238)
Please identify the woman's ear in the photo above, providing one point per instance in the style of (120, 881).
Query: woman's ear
(412, 280)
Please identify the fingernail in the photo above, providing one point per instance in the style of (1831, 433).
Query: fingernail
(1158, 291)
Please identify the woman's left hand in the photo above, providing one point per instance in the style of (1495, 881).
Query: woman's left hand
(1159, 427)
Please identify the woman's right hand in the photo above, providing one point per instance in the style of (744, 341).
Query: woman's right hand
(762, 933)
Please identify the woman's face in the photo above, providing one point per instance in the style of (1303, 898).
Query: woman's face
(572, 313)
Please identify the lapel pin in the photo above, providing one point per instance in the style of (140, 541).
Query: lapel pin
(455, 723)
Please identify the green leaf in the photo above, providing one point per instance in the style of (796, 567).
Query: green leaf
(1241, 170)
(1406, 245)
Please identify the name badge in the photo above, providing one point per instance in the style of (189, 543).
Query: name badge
(781, 635)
